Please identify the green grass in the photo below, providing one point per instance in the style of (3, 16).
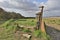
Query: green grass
(26, 22)
(7, 34)
(8, 30)
(7, 23)
(9, 27)
(37, 33)
(32, 22)
(26, 30)
(40, 34)
(55, 21)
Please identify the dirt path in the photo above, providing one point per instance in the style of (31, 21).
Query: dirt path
(54, 33)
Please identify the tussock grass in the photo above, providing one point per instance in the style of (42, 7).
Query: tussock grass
(40, 34)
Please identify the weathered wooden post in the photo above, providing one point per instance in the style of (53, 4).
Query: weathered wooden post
(39, 18)
(40, 23)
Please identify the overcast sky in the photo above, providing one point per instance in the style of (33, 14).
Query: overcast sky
(31, 7)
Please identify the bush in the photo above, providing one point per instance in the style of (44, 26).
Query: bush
(32, 21)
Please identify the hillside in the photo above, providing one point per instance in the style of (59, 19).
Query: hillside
(9, 15)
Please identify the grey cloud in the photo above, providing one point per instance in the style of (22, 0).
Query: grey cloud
(27, 6)
(52, 8)
(23, 5)
(52, 5)
(6, 4)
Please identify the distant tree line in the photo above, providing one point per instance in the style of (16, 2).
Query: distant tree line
(29, 17)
